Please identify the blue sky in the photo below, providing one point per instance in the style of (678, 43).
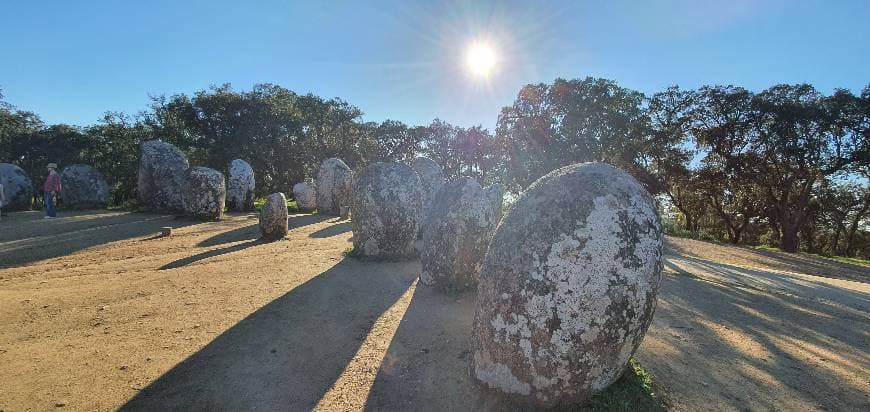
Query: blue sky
(403, 60)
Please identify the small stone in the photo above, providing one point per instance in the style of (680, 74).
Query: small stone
(273, 217)
(240, 187)
(60, 404)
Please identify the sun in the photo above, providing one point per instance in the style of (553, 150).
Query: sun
(480, 59)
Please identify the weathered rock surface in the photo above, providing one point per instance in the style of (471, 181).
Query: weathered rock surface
(459, 227)
(273, 217)
(568, 286)
(240, 187)
(162, 169)
(83, 188)
(334, 186)
(204, 193)
(431, 179)
(495, 193)
(387, 207)
(17, 187)
(305, 195)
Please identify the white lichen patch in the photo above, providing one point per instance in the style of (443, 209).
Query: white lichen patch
(498, 376)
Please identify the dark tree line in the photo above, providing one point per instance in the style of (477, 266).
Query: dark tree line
(787, 166)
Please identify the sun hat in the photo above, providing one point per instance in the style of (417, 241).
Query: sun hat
(52, 166)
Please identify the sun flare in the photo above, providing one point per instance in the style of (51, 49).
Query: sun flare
(480, 59)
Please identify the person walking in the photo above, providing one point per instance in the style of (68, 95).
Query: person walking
(50, 189)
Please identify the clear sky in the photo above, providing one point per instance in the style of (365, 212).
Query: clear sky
(70, 61)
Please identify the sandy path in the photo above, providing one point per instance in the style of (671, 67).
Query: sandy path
(96, 314)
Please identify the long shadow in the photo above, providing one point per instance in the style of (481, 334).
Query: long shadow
(28, 238)
(210, 253)
(249, 232)
(287, 354)
(743, 341)
(300, 220)
(331, 231)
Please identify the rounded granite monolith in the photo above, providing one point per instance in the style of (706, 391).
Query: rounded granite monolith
(387, 208)
(273, 217)
(459, 227)
(204, 193)
(17, 187)
(83, 188)
(162, 169)
(240, 187)
(334, 186)
(306, 196)
(568, 286)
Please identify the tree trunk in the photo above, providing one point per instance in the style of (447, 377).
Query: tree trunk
(835, 242)
(788, 240)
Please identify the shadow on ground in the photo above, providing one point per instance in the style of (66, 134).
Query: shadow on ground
(210, 253)
(756, 340)
(287, 354)
(331, 231)
(25, 237)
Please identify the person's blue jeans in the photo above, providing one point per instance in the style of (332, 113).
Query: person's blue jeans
(49, 203)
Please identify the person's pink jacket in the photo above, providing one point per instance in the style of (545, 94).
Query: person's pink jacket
(52, 183)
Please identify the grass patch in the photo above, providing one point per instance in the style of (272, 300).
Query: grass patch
(632, 392)
(841, 259)
(291, 205)
(349, 252)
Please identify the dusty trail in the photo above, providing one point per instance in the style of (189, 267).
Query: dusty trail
(96, 314)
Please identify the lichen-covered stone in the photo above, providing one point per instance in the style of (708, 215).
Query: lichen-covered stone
(273, 217)
(240, 187)
(83, 188)
(387, 207)
(334, 186)
(16, 186)
(162, 168)
(305, 195)
(495, 193)
(568, 286)
(431, 179)
(459, 227)
(204, 193)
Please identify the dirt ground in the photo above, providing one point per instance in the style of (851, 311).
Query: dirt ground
(97, 313)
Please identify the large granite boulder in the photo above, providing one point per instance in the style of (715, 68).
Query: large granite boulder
(495, 193)
(83, 188)
(16, 186)
(431, 178)
(387, 207)
(240, 187)
(162, 168)
(274, 218)
(334, 186)
(459, 227)
(568, 286)
(305, 195)
(204, 193)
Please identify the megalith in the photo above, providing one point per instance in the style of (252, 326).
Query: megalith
(83, 188)
(162, 169)
(16, 186)
(273, 217)
(334, 186)
(204, 193)
(240, 187)
(305, 195)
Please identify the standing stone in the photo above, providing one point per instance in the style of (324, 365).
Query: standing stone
(431, 179)
(334, 186)
(240, 187)
(495, 193)
(162, 168)
(17, 187)
(306, 196)
(387, 207)
(568, 286)
(273, 217)
(204, 193)
(459, 227)
(83, 188)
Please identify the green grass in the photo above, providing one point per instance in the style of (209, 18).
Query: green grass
(349, 252)
(842, 259)
(632, 392)
(291, 204)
